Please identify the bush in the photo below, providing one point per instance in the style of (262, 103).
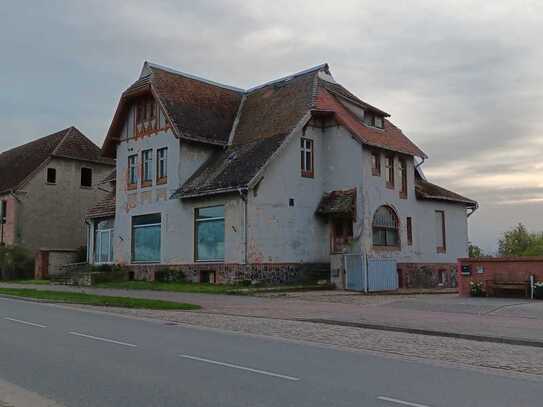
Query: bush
(538, 290)
(476, 289)
(167, 275)
(16, 263)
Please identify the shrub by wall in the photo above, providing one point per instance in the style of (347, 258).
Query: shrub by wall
(16, 263)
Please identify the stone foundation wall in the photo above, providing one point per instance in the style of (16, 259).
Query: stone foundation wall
(427, 275)
(221, 273)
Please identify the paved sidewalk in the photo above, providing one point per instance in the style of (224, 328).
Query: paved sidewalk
(513, 319)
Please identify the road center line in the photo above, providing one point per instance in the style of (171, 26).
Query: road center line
(403, 403)
(25, 322)
(247, 369)
(97, 338)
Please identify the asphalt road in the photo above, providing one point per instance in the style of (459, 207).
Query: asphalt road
(83, 358)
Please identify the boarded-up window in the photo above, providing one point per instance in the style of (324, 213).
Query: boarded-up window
(86, 177)
(409, 226)
(306, 157)
(441, 242)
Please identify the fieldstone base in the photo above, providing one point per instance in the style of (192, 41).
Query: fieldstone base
(427, 275)
(221, 273)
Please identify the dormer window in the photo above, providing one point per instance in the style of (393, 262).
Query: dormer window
(373, 120)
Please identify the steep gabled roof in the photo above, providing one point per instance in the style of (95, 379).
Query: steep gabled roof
(267, 116)
(390, 137)
(204, 111)
(17, 164)
(427, 190)
(231, 169)
(198, 110)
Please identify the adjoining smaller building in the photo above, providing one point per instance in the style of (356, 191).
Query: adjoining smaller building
(46, 189)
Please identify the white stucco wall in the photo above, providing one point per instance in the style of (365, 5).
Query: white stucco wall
(280, 233)
(177, 229)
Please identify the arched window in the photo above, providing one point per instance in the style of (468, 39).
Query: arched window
(385, 227)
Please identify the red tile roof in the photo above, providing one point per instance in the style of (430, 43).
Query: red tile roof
(389, 138)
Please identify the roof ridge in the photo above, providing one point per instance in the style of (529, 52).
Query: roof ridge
(289, 77)
(191, 76)
(67, 131)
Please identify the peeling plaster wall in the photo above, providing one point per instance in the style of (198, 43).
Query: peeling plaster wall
(278, 232)
(52, 216)
(422, 213)
(177, 243)
(281, 233)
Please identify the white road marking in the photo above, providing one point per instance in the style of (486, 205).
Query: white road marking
(248, 369)
(25, 322)
(97, 338)
(403, 403)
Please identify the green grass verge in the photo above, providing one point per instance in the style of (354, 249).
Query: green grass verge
(100, 300)
(29, 282)
(205, 288)
(175, 287)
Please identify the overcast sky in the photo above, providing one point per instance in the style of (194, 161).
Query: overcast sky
(464, 80)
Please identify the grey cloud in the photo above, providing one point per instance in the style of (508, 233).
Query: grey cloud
(459, 77)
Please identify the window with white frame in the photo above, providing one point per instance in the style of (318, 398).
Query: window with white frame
(103, 241)
(209, 233)
(162, 165)
(146, 238)
(147, 167)
(132, 170)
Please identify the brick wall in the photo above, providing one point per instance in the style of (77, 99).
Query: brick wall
(485, 270)
(267, 273)
(427, 275)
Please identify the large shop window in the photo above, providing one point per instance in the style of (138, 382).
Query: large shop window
(146, 231)
(209, 233)
(103, 241)
(385, 228)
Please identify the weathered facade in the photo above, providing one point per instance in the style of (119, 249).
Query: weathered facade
(231, 184)
(46, 189)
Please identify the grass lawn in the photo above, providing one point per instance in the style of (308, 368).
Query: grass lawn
(175, 287)
(30, 282)
(206, 288)
(100, 300)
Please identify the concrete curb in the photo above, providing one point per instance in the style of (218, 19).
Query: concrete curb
(429, 332)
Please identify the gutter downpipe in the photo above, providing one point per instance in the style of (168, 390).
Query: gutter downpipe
(243, 193)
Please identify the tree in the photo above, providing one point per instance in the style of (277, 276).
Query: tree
(475, 251)
(519, 242)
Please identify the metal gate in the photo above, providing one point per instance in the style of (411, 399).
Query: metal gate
(370, 275)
